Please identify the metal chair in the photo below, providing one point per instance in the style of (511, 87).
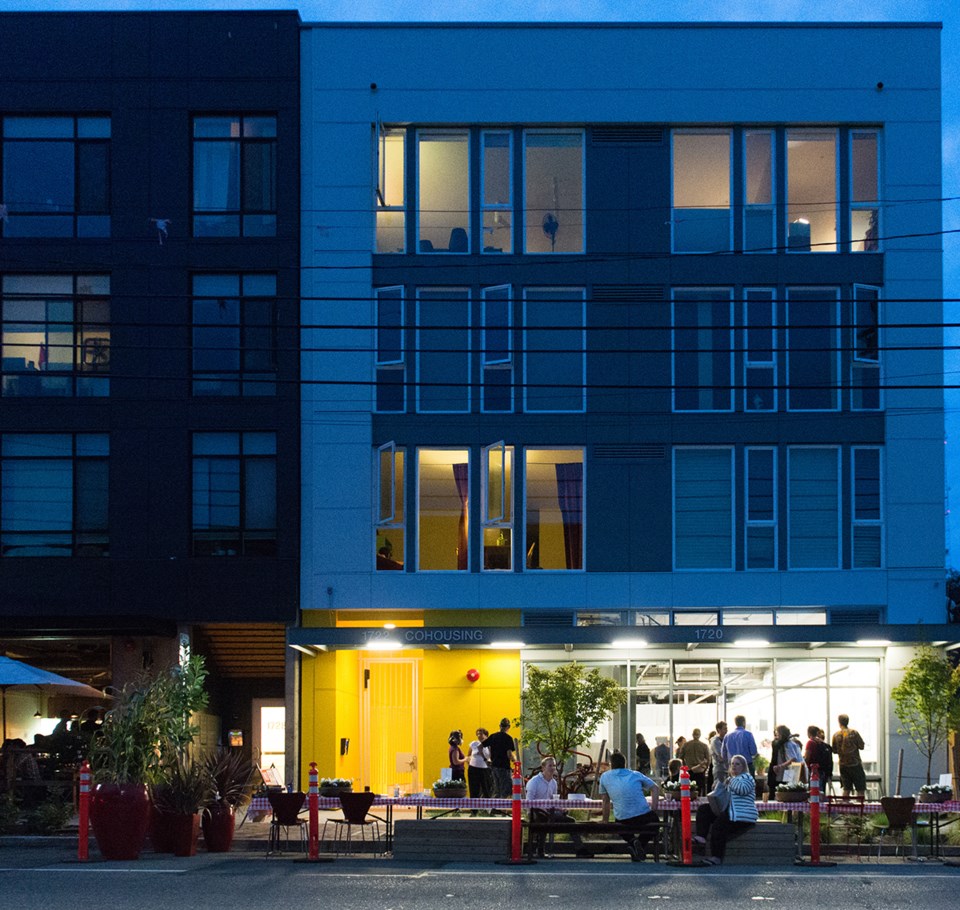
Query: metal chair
(355, 807)
(286, 815)
(899, 812)
(847, 814)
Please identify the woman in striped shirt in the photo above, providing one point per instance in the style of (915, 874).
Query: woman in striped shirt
(739, 816)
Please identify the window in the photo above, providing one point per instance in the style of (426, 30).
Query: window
(497, 387)
(54, 494)
(235, 176)
(702, 350)
(443, 490)
(865, 364)
(553, 516)
(760, 509)
(443, 346)
(864, 192)
(390, 351)
(759, 222)
(391, 191)
(701, 192)
(703, 508)
(234, 494)
(390, 510)
(811, 190)
(813, 349)
(496, 200)
(760, 351)
(554, 339)
(497, 519)
(867, 508)
(234, 334)
(56, 176)
(813, 490)
(553, 191)
(443, 191)
(56, 335)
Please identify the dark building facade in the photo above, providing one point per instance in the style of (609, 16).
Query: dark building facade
(149, 297)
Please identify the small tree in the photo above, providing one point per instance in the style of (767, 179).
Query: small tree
(927, 702)
(563, 708)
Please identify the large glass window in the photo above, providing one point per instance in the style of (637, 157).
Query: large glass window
(56, 335)
(864, 192)
(54, 494)
(760, 351)
(813, 349)
(234, 334)
(443, 346)
(865, 364)
(811, 190)
(759, 186)
(554, 510)
(701, 192)
(497, 516)
(761, 508)
(813, 482)
(867, 507)
(56, 176)
(554, 322)
(497, 193)
(553, 191)
(391, 191)
(703, 508)
(234, 494)
(235, 176)
(391, 361)
(702, 350)
(443, 191)
(443, 500)
(497, 388)
(390, 508)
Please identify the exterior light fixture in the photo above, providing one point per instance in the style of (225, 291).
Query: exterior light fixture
(628, 643)
(751, 643)
(872, 643)
(389, 625)
(383, 645)
(508, 645)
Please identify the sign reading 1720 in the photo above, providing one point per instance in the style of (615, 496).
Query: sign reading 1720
(708, 633)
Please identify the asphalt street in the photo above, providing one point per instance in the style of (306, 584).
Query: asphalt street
(53, 880)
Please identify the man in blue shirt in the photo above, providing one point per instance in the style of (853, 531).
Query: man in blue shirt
(623, 789)
(739, 742)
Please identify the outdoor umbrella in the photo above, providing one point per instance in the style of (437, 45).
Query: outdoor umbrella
(17, 675)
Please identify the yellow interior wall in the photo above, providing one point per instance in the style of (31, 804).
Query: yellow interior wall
(452, 702)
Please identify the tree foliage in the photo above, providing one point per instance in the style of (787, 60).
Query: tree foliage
(563, 708)
(927, 702)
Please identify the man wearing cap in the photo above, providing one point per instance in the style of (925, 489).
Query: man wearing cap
(501, 746)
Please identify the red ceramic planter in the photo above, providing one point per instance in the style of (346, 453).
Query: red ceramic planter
(119, 815)
(218, 824)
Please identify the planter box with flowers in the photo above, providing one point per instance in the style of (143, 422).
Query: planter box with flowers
(334, 786)
(449, 789)
(934, 793)
(792, 793)
(671, 789)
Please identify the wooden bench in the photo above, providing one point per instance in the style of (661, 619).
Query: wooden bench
(546, 826)
(451, 840)
(767, 843)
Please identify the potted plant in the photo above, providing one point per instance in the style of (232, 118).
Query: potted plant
(334, 786)
(760, 765)
(794, 792)
(450, 789)
(671, 789)
(177, 801)
(934, 793)
(230, 776)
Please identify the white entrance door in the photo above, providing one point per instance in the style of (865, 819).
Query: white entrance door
(389, 723)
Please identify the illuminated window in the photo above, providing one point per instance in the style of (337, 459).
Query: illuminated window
(443, 500)
(864, 192)
(553, 191)
(811, 190)
(496, 199)
(443, 191)
(759, 222)
(497, 519)
(390, 508)
(701, 192)
(391, 191)
(554, 509)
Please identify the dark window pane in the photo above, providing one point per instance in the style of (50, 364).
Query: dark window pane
(92, 495)
(261, 493)
(93, 159)
(216, 183)
(38, 176)
(259, 177)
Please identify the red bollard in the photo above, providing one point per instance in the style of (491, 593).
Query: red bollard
(314, 813)
(83, 844)
(814, 821)
(686, 835)
(516, 840)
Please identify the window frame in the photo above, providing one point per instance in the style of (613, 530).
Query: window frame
(675, 349)
(765, 206)
(683, 131)
(875, 204)
(419, 135)
(385, 133)
(537, 131)
(419, 450)
(749, 522)
(749, 363)
(838, 215)
(860, 364)
(731, 566)
(395, 519)
(839, 499)
(504, 364)
(497, 208)
(503, 520)
(384, 367)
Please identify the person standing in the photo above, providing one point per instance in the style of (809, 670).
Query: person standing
(739, 741)
(478, 767)
(717, 763)
(846, 745)
(544, 786)
(643, 755)
(622, 790)
(455, 754)
(817, 752)
(502, 751)
(661, 754)
(695, 754)
(785, 753)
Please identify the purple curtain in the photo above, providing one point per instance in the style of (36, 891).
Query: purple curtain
(570, 499)
(461, 477)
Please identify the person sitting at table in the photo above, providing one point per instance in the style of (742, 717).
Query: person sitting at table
(741, 815)
(622, 790)
(544, 786)
(673, 769)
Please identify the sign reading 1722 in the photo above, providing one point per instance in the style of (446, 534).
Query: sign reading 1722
(708, 633)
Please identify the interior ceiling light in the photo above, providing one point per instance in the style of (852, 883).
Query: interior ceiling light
(389, 625)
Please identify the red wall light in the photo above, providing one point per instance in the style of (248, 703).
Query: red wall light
(473, 675)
